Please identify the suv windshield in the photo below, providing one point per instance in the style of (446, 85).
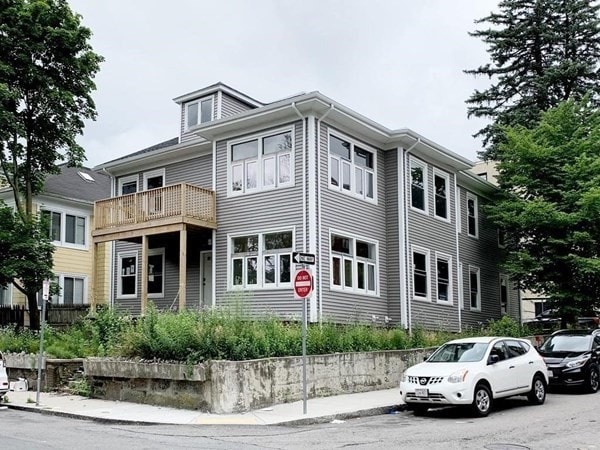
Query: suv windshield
(463, 352)
(567, 343)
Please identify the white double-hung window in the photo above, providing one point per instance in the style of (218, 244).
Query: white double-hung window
(262, 162)
(351, 168)
(353, 263)
(261, 260)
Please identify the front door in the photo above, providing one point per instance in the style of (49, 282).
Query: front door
(206, 279)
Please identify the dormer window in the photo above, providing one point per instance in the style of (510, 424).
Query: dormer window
(199, 111)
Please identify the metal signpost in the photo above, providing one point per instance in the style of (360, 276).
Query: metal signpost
(303, 287)
(45, 297)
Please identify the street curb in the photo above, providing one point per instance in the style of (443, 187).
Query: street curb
(381, 410)
(50, 412)
(378, 411)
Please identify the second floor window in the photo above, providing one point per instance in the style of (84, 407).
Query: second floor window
(441, 195)
(64, 228)
(351, 168)
(418, 185)
(472, 215)
(264, 162)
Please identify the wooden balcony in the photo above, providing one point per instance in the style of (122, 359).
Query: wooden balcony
(161, 210)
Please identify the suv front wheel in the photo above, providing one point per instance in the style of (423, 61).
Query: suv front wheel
(482, 400)
(593, 381)
(537, 395)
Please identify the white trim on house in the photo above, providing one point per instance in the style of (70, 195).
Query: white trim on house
(446, 177)
(425, 252)
(415, 162)
(259, 161)
(355, 260)
(473, 270)
(447, 258)
(352, 167)
(404, 308)
(120, 257)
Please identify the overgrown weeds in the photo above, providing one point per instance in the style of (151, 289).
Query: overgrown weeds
(196, 336)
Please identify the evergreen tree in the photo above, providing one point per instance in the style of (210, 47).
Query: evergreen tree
(46, 78)
(542, 52)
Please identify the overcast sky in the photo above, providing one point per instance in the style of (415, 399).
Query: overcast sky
(398, 62)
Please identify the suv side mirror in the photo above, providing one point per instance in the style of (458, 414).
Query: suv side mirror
(493, 359)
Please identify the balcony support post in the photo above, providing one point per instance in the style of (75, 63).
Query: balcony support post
(144, 296)
(182, 267)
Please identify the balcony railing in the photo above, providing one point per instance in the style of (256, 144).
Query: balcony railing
(178, 202)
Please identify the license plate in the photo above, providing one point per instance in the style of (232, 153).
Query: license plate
(421, 392)
(550, 374)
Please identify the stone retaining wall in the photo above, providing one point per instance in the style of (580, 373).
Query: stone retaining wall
(237, 386)
(56, 373)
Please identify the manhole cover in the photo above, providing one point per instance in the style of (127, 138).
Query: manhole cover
(506, 447)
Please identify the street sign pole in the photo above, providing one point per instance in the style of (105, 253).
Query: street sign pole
(304, 395)
(303, 287)
(45, 297)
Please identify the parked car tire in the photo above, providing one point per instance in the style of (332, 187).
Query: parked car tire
(593, 380)
(482, 400)
(537, 395)
(419, 410)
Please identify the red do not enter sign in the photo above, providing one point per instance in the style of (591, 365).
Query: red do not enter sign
(303, 283)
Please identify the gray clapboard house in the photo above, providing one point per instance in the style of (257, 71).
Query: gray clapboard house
(211, 217)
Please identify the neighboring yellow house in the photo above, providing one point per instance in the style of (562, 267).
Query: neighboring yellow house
(68, 200)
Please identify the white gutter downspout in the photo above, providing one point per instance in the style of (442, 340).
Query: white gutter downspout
(213, 243)
(319, 226)
(458, 268)
(405, 307)
(303, 175)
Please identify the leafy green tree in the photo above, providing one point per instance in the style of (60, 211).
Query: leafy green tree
(47, 69)
(542, 52)
(549, 206)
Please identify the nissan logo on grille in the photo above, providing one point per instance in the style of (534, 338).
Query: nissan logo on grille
(423, 381)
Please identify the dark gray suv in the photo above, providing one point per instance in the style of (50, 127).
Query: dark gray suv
(573, 358)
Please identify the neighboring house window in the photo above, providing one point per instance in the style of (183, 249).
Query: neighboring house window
(265, 162)
(353, 264)
(72, 291)
(418, 185)
(156, 272)
(4, 296)
(474, 288)
(261, 260)
(198, 112)
(503, 294)
(127, 278)
(472, 215)
(128, 185)
(66, 228)
(440, 184)
(444, 271)
(420, 261)
(351, 168)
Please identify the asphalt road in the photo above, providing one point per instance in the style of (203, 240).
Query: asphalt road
(566, 421)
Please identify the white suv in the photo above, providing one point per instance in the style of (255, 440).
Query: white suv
(3, 378)
(475, 371)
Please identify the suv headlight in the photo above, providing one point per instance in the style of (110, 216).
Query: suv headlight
(578, 362)
(458, 377)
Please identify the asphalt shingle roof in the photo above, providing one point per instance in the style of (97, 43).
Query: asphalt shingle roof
(70, 184)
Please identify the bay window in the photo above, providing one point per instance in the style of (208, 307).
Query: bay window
(351, 168)
(264, 162)
(353, 264)
(261, 260)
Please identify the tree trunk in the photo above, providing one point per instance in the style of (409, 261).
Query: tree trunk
(34, 312)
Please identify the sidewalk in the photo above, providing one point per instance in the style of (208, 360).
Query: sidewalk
(319, 410)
